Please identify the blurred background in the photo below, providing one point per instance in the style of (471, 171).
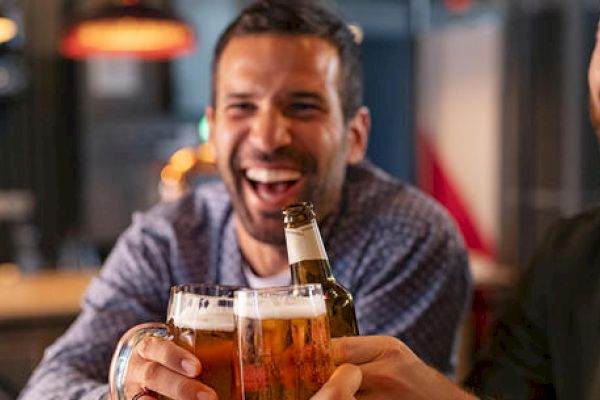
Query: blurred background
(482, 103)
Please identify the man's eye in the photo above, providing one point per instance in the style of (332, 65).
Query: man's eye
(241, 109)
(242, 106)
(303, 106)
(303, 110)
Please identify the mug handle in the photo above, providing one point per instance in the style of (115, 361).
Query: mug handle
(120, 359)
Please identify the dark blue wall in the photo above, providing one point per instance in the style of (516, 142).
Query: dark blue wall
(388, 67)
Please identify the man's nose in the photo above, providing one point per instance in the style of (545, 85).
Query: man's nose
(270, 130)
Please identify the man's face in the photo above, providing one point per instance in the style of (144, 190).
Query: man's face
(278, 130)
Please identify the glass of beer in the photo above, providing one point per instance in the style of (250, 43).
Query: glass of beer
(199, 319)
(283, 342)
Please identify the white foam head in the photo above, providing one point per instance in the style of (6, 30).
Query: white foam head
(280, 307)
(203, 313)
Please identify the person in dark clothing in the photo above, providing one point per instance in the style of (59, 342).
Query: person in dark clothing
(547, 346)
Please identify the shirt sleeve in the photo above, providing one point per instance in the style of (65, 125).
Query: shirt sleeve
(517, 362)
(131, 288)
(416, 287)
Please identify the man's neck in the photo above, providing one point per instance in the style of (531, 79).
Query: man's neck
(264, 259)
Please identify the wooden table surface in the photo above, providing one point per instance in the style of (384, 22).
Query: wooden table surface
(57, 293)
(46, 294)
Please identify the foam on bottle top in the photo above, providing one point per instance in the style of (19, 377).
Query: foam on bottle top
(195, 312)
(278, 307)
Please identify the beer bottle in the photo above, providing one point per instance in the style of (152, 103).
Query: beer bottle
(309, 264)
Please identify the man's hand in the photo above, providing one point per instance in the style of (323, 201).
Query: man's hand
(390, 370)
(161, 366)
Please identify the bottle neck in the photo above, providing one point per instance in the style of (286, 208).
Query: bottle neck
(306, 254)
(304, 243)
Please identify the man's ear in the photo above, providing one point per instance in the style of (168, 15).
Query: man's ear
(209, 112)
(358, 135)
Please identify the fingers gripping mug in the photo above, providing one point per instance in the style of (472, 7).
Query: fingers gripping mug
(199, 319)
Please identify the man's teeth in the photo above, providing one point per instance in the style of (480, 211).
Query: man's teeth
(263, 175)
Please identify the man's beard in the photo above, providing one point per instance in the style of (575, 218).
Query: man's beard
(271, 232)
(265, 233)
(261, 232)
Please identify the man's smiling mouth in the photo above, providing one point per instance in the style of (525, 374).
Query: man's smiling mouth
(273, 185)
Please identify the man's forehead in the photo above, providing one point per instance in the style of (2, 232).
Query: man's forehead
(260, 45)
(271, 57)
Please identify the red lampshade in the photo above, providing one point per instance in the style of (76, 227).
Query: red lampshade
(458, 6)
(128, 30)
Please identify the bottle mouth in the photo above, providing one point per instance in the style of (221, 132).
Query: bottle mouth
(298, 212)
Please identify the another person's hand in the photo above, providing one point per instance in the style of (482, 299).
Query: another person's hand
(389, 370)
(342, 385)
(160, 366)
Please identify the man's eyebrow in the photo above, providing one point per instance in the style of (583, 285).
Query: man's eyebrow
(307, 96)
(238, 96)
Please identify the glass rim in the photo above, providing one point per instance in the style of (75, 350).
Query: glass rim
(280, 302)
(192, 288)
(277, 289)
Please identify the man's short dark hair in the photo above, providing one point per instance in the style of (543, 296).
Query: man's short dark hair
(301, 17)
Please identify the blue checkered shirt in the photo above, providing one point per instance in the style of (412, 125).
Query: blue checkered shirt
(397, 251)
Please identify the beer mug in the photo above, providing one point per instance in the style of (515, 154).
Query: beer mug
(283, 342)
(199, 319)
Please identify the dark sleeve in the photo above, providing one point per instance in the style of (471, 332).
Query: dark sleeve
(517, 363)
(131, 288)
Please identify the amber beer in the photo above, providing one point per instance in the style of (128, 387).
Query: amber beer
(283, 342)
(309, 264)
(200, 319)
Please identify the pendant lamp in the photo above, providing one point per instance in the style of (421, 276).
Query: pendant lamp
(129, 29)
(8, 29)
